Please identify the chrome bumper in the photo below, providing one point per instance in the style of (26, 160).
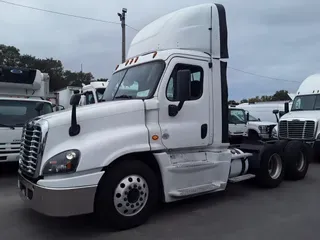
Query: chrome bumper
(57, 202)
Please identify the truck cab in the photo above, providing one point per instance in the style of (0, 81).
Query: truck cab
(301, 123)
(160, 133)
(93, 92)
(238, 128)
(22, 93)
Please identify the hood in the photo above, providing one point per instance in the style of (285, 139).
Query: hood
(261, 123)
(93, 111)
(302, 115)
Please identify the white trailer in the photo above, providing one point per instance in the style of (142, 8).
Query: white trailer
(161, 133)
(22, 94)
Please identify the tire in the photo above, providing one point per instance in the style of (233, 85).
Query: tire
(253, 136)
(272, 168)
(282, 144)
(127, 195)
(297, 157)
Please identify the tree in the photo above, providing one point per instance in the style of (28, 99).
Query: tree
(281, 95)
(9, 55)
(77, 78)
(244, 100)
(232, 102)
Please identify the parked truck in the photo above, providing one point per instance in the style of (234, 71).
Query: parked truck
(91, 93)
(22, 97)
(160, 134)
(243, 126)
(302, 122)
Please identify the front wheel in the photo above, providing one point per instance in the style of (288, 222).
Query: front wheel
(127, 195)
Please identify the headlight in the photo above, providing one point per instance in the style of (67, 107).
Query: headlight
(264, 129)
(274, 133)
(64, 162)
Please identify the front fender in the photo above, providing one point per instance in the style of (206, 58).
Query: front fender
(101, 140)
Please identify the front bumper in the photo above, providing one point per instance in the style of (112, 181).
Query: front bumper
(57, 202)
(10, 157)
(264, 136)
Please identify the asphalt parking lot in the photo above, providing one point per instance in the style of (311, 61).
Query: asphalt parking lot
(242, 212)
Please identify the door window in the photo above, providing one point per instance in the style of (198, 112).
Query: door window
(196, 82)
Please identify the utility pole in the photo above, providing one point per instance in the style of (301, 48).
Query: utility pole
(123, 26)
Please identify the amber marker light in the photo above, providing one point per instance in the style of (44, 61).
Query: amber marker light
(155, 137)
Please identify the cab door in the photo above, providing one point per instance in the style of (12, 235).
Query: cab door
(191, 126)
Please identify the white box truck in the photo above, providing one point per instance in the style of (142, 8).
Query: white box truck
(22, 98)
(160, 135)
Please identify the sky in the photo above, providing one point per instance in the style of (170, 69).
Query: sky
(273, 38)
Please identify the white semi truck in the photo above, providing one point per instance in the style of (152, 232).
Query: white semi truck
(22, 94)
(302, 122)
(91, 93)
(160, 135)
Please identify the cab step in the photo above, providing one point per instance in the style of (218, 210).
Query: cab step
(195, 190)
(241, 178)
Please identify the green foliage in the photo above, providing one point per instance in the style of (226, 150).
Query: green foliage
(281, 95)
(59, 78)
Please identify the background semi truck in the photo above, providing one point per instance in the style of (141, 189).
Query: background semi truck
(302, 122)
(22, 97)
(161, 133)
(91, 93)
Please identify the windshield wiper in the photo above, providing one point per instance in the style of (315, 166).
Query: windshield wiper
(7, 126)
(124, 96)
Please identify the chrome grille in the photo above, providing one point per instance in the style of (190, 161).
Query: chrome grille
(30, 149)
(303, 130)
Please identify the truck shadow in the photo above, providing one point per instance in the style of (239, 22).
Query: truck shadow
(8, 169)
(87, 226)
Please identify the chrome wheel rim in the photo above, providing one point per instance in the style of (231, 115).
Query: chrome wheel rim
(301, 163)
(275, 166)
(131, 195)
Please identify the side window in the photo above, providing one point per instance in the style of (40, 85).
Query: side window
(89, 98)
(196, 82)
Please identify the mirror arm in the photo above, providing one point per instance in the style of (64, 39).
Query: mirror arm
(75, 127)
(180, 105)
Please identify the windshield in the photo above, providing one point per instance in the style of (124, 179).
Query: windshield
(15, 113)
(138, 82)
(100, 92)
(306, 102)
(253, 119)
(237, 116)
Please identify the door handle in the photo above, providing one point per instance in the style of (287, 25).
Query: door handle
(204, 130)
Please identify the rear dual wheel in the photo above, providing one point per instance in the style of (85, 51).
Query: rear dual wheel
(297, 157)
(272, 167)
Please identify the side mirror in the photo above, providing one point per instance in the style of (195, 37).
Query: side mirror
(183, 87)
(276, 111)
(74, 100)
(39, 107)
(286, 107)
